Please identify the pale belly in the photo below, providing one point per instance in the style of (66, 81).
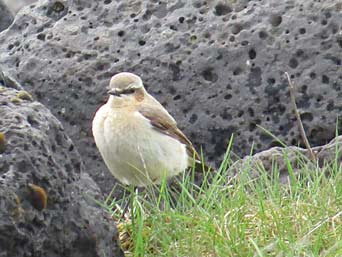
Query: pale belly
(134, 152)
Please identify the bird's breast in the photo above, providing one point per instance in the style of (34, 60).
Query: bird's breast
(131, 147)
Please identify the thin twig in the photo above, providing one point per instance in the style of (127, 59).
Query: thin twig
(300, 124)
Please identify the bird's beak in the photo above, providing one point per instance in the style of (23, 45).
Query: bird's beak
(114, 92)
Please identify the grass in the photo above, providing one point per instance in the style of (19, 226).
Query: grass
(237, 215)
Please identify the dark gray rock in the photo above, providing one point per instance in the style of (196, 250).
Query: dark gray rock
(34, 149)
(217, 66)
(6, 17)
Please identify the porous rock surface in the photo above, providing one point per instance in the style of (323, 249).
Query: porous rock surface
(37, 151)
(6, 17)
(217, 66)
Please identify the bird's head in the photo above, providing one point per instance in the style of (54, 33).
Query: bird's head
(126, 87)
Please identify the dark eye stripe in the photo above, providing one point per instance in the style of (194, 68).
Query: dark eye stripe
(128, 91)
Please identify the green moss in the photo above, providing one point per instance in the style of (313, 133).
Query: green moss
(15, 100)
(24, 95)
(58, 7)
(193, 38)
(2, 142)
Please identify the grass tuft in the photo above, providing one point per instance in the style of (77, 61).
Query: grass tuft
(237, 215)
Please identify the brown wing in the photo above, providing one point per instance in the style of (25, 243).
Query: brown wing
(164, 123)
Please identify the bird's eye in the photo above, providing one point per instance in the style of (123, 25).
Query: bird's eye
(128, 91)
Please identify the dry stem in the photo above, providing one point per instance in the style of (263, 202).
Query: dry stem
(300, 124)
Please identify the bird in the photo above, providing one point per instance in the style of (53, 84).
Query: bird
(136, 136)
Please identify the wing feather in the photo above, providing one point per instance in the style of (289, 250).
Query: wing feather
(163, 122)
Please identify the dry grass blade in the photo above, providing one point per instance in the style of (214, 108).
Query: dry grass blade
(300, 124)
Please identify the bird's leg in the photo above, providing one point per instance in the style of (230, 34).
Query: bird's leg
(128, 207)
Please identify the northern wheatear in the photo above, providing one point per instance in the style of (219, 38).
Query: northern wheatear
(137, 138)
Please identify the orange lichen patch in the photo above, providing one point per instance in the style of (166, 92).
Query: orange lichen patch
(38, 197)
(2, 142)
